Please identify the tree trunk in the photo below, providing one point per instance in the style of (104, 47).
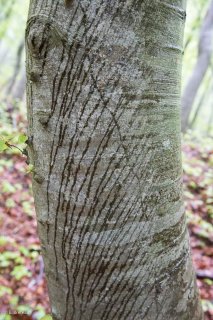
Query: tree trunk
(17, 68)
(207, 91)
(20, 87)
(104, 125)
(203, 61)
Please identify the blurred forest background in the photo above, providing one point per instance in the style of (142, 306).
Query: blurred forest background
(22, 281)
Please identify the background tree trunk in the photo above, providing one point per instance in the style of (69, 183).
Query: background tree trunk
(203, 61)
(104, 122)
(17, 68)
(19, 89)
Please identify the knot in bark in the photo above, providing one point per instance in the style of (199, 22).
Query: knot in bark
(38, 38)
(42, 35)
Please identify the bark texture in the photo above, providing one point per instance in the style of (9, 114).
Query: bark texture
(104, 125)
(204, 57)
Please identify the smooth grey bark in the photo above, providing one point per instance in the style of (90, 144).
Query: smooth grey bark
(203, 61)
(104, 138)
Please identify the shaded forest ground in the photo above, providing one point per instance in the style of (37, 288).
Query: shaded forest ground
(22, 280)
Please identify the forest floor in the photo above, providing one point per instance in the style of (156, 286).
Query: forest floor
(22, 281)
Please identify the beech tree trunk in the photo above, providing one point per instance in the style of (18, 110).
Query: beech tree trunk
(104, 138)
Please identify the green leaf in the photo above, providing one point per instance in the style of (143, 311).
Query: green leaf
(3, 240)
(208, 281)
(24, 309)
(5, 316)
(10, 203)
(24, 251)
(20, 272)
(4, 290)
(22, 138)
(47, 317)
(8, 187)
(34, 255)
(30, 168)
(207, 305)
(3, 146)
(9, 255)
(19, 260)
(14, 300)
(27, 207)
(39, 312)
(4, 264)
